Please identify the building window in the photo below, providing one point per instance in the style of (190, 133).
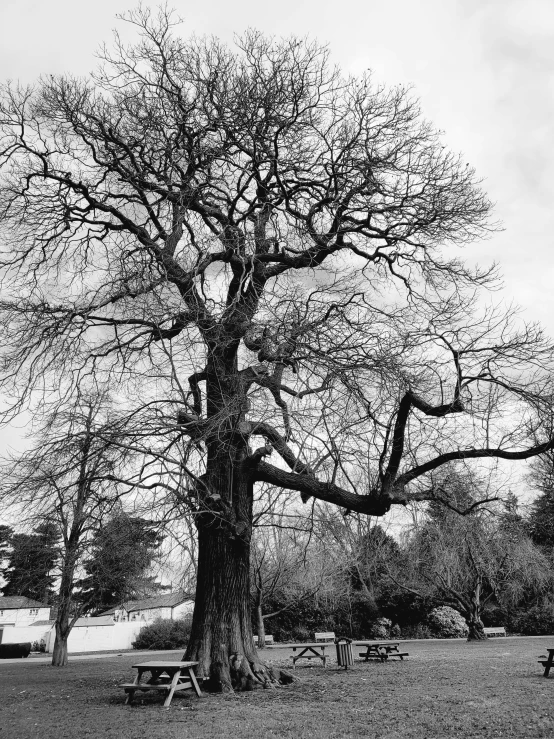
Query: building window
(33, 612)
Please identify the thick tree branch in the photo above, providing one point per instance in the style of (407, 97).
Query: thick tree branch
(492, 452)
(372, 505)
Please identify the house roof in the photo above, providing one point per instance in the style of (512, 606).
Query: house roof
(8, 602)
(85, 621)
(94, 621)
(169, 600)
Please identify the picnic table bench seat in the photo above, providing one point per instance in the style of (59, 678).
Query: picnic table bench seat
(383, 657)
(381, 650)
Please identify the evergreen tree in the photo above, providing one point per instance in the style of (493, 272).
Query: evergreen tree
(541, 519)
(6, 533)
(31, 564)
(117, 570)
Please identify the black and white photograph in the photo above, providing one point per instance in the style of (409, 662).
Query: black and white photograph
(277, 369)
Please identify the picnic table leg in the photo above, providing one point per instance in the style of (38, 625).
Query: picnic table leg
(548, 665)
(194, 682)
(174, 681)
(130, 692)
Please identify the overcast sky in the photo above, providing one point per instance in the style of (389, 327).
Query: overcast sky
(483, 69)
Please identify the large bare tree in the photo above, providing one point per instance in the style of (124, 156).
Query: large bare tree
(248, 245)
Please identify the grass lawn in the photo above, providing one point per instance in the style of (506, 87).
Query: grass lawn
(443, 689)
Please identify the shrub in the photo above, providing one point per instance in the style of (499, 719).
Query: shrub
(404, 609)
(536, 621)
(380, 628)
(417, 631)
(163, 634)
(494, 615)
(301, 633)
(447, 623)
(20, 649)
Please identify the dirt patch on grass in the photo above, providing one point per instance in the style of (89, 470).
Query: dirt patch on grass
(443, 689)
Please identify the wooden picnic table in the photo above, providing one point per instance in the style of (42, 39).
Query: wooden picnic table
(547, 662)
(381, 650)
(170, 677)
(310, 650)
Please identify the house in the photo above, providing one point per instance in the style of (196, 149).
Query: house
(19, 611)
(171, 606)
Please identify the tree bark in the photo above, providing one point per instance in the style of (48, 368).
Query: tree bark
(221, 639)
(63, 629)
(476, 630)
(59, 654)
(473, 616)
(64, 620)
(260, 626)
(221, 636)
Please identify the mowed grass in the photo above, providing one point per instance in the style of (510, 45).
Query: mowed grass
(443, 689)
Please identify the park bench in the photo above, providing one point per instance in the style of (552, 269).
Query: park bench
(268, 639)
(324, 636)
(495, 630)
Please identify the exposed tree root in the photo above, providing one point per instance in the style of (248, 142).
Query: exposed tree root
(476, 631)
(242, 675)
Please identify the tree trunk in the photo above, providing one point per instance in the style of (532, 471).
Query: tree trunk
(260, 626)
(476, 629)
(63, 616)
(59, 655)
(473, 616)
(221, 636)
(63, 629)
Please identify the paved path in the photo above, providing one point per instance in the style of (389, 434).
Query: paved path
(89, 655)
(267, 652)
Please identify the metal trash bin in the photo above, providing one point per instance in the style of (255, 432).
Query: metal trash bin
(345, 657)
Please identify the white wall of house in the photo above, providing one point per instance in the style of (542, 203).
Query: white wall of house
(18, 634)
(23, 616)
(97, 638)
(81, 639)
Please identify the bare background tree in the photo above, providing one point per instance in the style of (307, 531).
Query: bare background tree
(466, 562)
(66, 478)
